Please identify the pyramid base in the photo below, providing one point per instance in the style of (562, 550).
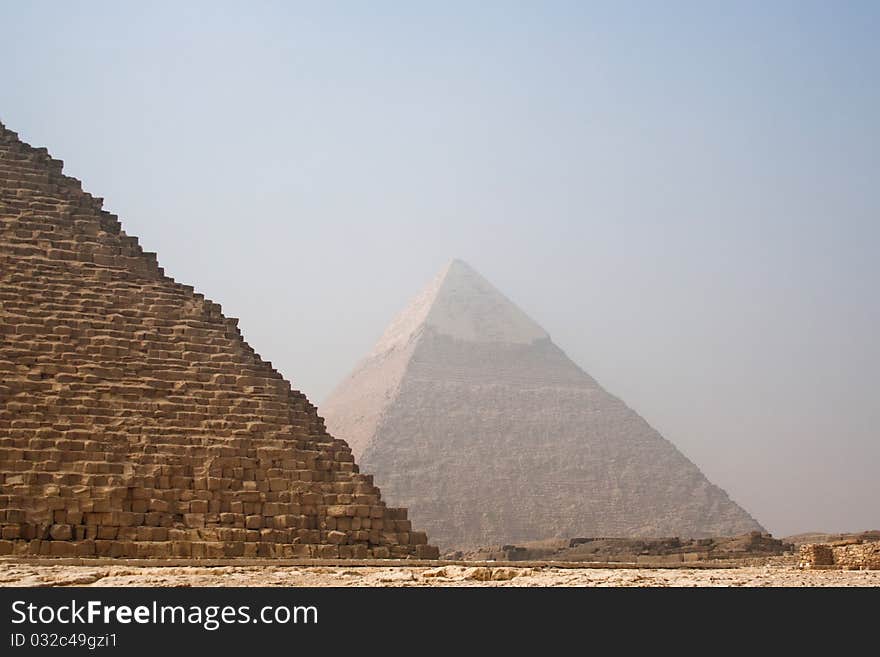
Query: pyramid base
(212, 550)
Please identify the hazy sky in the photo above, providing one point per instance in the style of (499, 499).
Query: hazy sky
(684, 195)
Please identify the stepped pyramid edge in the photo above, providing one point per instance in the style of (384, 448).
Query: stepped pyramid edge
(135, 421)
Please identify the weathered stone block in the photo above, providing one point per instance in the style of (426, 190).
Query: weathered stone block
(61, 532)
(337, 538)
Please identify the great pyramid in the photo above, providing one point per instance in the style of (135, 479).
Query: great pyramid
(134, 419)
(467, 413)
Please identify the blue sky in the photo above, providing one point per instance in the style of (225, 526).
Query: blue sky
(685, 195)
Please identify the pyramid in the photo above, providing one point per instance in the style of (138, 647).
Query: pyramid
(134, 419)
(468, 414)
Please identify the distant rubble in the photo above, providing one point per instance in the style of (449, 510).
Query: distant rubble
(746, 546)
(820, 537)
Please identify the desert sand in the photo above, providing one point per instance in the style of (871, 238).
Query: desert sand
(30, 574)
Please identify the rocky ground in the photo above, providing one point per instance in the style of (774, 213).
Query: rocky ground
(29, 574)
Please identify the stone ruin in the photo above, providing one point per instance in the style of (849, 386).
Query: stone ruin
(746, 547)
(853, 554)
(134, 419)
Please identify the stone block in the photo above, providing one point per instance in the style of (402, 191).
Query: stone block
(61, 532)
(337, 538)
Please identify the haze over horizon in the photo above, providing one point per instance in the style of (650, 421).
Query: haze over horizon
(684, 197)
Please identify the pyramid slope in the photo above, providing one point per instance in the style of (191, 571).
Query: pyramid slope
(357, 407)
(460, 303)
(135, 420)
(467, 307)
(505, 440)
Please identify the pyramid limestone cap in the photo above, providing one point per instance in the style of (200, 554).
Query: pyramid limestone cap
(461, 304)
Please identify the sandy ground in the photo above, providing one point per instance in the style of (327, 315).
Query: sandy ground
(13, 574)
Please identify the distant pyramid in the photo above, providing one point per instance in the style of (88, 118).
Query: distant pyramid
(469, 415)
(135, 421)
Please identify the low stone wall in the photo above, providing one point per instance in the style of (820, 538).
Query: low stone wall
(856, 556)
(865, 555)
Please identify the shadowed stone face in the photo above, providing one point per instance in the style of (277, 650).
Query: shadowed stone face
(469, 415)
(134, 419)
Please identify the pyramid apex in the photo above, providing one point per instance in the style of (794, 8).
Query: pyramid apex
(459, 267)
(455, 265)
(460, 303)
